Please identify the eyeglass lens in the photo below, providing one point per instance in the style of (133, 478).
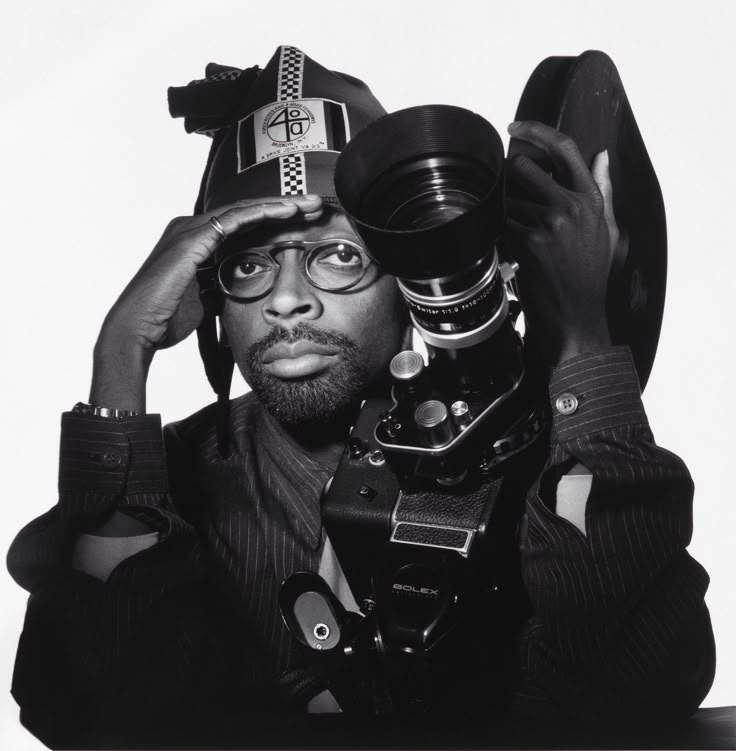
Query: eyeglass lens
(331, 266)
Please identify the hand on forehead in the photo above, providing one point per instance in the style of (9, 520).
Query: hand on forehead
(307, 223)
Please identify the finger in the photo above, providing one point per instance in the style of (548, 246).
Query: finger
(198, 243)
(242, 215)
(527, 213)
(239, 218)
(527, 178)
(306, 203)
(516, 238)
(602, 176)
(196, 239)
(569, 166)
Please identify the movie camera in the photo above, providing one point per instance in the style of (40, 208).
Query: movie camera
(426, 504)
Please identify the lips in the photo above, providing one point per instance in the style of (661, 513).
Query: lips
(301, 348)
(299, 359)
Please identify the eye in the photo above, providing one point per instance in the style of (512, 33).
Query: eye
(248, 268)
(339, 256)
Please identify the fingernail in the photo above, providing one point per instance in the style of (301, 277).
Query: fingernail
(513, 126)
(311, 197)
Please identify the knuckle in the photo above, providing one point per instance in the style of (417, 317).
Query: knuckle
(597, 199)
(224, 216)
(176, 226)
(536, 239)
(516, 159)
(520, 162)
(557, 221)
(177, 222)
(573, 209)
(566, 144)
(561, 223)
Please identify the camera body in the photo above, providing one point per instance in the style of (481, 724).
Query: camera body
(435, 569)
(423, 552)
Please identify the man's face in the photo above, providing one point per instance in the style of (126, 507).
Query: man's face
(308, 354)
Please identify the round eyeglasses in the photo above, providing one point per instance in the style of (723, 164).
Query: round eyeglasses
(332, 265)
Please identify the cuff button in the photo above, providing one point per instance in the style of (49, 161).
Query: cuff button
(566, 403)
(110, 459)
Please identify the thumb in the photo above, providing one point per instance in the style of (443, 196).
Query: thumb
(602, 176)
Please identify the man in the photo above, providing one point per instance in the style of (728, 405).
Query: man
(155, 580)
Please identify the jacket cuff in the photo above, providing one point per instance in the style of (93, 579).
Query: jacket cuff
(118, 457)
(595, 391)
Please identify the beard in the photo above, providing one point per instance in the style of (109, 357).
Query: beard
(320, 400)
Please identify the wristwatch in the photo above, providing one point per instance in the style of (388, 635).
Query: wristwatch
(109, 412)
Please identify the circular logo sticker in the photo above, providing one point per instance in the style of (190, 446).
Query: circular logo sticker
(288, 123)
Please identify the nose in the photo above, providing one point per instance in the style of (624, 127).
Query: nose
(292, 298)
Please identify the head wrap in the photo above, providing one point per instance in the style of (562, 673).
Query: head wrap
(278, 131)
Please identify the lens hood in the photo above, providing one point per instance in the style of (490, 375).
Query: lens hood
(424, 187)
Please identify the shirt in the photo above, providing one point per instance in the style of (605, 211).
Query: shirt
(187, 632)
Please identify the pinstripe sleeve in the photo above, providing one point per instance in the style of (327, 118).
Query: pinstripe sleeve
(97, 659)
(620, 629)
(104, 465)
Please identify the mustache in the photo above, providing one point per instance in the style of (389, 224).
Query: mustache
(302, 331)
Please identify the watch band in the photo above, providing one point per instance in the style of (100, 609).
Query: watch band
(109, 412)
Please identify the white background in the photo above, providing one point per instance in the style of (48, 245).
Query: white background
(93, 169)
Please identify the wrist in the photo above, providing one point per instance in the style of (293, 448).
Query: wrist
(119, 374)
(580, 340)
(581, 345)
(98, 410)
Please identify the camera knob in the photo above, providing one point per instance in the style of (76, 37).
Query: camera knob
(411, 386)
(461, 415)
(407, 365)
(357, 448)
(432, 422)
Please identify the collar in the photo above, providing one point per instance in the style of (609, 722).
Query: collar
(297, 480)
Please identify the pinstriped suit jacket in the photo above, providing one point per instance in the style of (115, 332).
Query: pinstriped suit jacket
(187, 634)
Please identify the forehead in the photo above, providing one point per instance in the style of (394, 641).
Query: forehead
(332, 224)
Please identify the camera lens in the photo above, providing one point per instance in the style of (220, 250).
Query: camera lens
(431, 209)
(424, 187)
(425, 192)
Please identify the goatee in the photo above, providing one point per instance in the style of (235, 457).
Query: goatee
(314, 401)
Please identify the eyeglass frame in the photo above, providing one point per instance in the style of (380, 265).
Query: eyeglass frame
(209, 276)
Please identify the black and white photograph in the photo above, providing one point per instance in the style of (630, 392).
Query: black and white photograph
(368, 375)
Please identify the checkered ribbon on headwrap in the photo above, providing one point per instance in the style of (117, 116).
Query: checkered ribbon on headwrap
(291, 72)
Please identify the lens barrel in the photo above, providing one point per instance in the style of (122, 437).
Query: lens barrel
(424, 187)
